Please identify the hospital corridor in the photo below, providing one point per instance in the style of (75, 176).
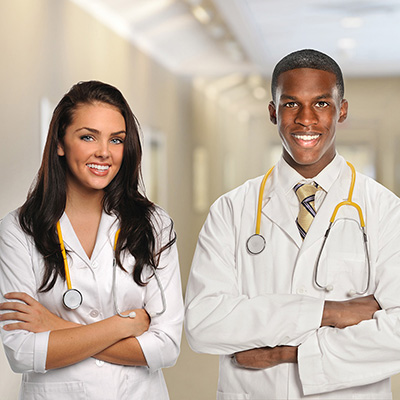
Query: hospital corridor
(197, 75)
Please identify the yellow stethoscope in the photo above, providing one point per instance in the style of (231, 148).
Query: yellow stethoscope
(73, 298)
(256, 243)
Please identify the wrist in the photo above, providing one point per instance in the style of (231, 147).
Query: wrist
(328, 314)
(288, 354)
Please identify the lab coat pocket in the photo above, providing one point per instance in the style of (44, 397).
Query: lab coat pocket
(53, 390)
(347, 274)
(143, 384)
(232, 396)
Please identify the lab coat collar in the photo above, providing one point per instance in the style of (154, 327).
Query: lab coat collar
(275, 202)
(337, 193)
(283, 179)
(105, 234)
(290, 177)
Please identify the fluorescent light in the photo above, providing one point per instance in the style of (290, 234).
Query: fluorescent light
(202, 14)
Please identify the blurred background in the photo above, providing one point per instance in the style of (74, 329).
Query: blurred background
(196, 74)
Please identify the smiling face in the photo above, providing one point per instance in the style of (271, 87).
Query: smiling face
(306, 109)
(93, 147)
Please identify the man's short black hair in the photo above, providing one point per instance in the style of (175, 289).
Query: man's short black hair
(307, 58)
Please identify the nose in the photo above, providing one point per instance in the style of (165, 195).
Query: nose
(102, 150)
(306, 116)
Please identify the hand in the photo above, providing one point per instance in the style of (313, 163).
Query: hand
(341, 314)
(265, 357)
(134, 326)
(32, 316)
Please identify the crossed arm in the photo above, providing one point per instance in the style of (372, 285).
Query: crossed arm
(338, 314)
(112, 339)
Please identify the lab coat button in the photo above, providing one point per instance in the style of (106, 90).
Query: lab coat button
(99, 363)
(95, 264)
(94, 313)
(301, 290)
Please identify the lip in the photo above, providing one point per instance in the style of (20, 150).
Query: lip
(99, 169)
(306, 139)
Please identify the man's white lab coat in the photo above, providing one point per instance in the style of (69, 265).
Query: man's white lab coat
(237, 301)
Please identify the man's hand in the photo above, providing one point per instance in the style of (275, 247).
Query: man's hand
(341, 314)
(265, 357)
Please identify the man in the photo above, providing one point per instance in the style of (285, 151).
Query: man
(286, 326)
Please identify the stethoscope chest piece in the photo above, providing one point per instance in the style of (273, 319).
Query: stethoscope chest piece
(72, 299)
(255, 244)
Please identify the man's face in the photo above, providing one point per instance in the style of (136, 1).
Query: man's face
(306, 110)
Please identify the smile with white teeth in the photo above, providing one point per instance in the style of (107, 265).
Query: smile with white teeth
(99, 167)
(306, 137)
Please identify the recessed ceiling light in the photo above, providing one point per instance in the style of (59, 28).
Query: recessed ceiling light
(352, 22)
(347, 43)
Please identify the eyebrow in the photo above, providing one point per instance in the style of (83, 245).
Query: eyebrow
(95, 131)
(294, 98)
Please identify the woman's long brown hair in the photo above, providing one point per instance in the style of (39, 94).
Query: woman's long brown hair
(141, 230)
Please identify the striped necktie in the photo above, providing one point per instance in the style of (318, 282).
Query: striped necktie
(306, 196)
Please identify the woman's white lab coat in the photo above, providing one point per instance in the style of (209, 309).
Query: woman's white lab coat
(236, 301)
(21, 269)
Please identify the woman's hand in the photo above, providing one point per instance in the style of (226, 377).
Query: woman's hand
(32, 316)
(137, 325)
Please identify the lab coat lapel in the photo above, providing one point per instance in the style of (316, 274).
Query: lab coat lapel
(276, 208)
(71, 241)
(105, 234)
(338, 193)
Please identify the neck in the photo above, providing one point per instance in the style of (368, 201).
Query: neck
(309, 171)
(83, 202)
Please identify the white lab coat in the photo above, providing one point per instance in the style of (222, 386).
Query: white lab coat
(21, 269)
(236, 301)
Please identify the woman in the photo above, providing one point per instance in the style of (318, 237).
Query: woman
(87, 199)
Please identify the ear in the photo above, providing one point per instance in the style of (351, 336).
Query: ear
(60, 149)
(343, 110)
(272, 112)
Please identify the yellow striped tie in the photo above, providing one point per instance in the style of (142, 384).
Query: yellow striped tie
(306, 196)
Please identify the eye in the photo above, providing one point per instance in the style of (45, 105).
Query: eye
(290, 104)
(322, 104)
(87, 138)
(117, 140)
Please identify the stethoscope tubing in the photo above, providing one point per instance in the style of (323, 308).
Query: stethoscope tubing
(255, 244)
(73, 298)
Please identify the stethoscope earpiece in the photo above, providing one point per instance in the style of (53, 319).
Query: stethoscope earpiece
(132, 314)
(329, 288)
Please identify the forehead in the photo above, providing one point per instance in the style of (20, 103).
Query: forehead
(97, 114)
(306, 82)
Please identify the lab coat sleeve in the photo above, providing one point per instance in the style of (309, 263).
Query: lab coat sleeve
(26, 351)
(161, 343)
(222, 320)
(332, 359)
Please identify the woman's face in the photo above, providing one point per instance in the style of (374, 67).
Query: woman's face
(93, 147)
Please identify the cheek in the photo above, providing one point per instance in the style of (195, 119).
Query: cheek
(118, 155)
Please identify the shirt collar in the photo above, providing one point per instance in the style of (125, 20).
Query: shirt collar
(288, 177)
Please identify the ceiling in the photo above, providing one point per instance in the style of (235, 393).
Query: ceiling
(215, 37)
